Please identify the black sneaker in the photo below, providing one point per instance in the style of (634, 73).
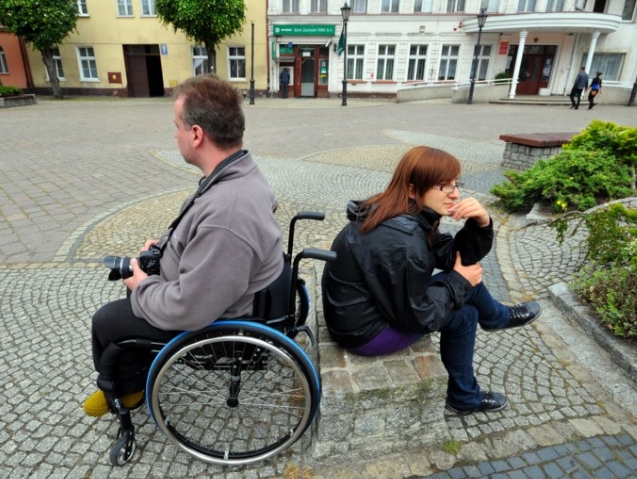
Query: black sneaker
(521, 315)
(490, 402)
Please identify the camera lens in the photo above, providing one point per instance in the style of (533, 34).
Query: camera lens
(119, 266)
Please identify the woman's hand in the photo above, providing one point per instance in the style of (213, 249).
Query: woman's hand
(471, 208)
(472, 273)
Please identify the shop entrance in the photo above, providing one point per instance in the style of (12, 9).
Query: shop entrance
(536, 67)
(143, 70)
(311, 75)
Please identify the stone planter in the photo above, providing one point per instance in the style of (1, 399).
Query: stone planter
(17, 100)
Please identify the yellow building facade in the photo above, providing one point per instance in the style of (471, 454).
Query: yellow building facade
(122, 49)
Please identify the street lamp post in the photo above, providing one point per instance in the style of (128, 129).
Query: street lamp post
(345, 11)
(482, 19)
(252, 67)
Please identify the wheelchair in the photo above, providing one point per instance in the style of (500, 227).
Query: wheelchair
(237, 391)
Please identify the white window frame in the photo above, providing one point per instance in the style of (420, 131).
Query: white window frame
(385, 61)
(148, 6)
(483, 59)
(359, 6)
(318, 6)
(389, 6)
(290, 6)
(526, 6)
(124, 8)
(423, 6)
(57, 61)
(416, 62)
(236, 57)
(610, 64)
(355, 62)
(4, 67)
(82, 8)
(628, 12)
(455, 6)
(83, 56)
(555, 6)
(199, 60)
(491, 5)
(449, 55)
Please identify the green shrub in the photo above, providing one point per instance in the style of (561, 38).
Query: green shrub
(503, 75)
(612, 293)
(597, 166)
(9, 91)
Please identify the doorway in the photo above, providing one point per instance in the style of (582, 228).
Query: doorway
(311, 71)
(536, 67)
(143, 70)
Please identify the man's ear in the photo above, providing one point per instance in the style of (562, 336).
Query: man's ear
(197, 135)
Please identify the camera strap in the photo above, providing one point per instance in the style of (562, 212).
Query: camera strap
(204, 184)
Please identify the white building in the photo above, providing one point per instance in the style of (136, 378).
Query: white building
(394, 44)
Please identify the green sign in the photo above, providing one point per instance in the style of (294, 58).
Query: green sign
(318, 30)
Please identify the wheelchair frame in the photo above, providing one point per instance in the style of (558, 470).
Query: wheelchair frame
(237, 391)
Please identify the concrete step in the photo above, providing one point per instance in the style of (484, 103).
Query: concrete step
(551, 100)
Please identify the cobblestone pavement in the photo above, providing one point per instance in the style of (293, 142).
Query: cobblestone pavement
(83, 178)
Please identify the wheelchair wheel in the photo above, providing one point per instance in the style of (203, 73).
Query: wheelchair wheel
(234, 393)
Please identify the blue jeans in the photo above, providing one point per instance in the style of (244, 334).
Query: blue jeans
(457, 343)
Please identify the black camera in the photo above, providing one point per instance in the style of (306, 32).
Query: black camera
(121, 268)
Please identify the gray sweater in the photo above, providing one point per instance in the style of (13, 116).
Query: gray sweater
(226, 248)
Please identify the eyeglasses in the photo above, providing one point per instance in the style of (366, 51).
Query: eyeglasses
(448, 189)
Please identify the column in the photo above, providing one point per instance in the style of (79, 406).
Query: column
(518, 62)
(591, 52)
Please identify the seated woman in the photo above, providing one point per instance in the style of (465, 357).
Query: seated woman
(381, 294)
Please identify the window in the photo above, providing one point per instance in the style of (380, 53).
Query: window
(82, 9)
(200, 61)
(237, 63)
(628, 12)
(609, 64)
(359, 6)
(416, 62)
(385, 62)
(290, 6)
(423, 6)
(318, 6)
(355, 61)
(483, 54)
(526, 6)
(448, 62)
(389, 6)
(455, 6)
(148, 8)
(3, 62)
(555, 6)
(57, 61)
(88, 66)
(490, 5)
(125, 8)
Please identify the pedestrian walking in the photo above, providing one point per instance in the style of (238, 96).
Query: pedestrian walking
(284, 78)
(581, 84)
(596, 89)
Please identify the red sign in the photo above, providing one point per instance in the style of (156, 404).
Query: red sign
(504, 48)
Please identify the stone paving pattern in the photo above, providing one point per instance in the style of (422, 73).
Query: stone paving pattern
(83, 178)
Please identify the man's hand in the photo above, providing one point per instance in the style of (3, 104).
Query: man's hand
(138, 275)
(148, 244)
(472, 273)
(471, 208)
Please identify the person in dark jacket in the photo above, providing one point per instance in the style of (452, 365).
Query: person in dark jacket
(596, 89)
(381, 294)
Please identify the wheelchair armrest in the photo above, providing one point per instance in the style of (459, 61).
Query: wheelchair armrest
(315, 253)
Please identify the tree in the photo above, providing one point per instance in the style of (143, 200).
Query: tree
(205, 22)
(43, 24)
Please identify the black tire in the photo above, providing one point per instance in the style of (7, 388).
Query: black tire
(302, 303)
(234, 393)
(122, 451)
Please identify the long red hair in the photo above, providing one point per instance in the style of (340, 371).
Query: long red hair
(420, 168)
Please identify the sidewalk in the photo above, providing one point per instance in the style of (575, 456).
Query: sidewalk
(108, 177)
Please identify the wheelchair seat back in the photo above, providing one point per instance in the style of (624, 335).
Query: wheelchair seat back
(272, 302)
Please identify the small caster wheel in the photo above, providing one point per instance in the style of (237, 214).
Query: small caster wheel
(123, 450)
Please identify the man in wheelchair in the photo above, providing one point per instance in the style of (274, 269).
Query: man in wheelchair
(224, 246)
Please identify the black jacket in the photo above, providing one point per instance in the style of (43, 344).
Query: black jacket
(383, 277)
